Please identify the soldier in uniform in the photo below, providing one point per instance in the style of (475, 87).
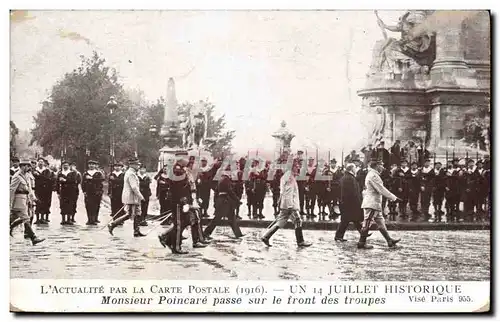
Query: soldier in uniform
(250, 189)
(131, 198)
(163, 191)
(145, 189)
(66, 182)
(75, 189)
(361, 173)
(337, 175)
(239, 185)
(115, 190)
(260, 185)
(413, 178)
(427, 182)
(184, 204)
(470, 191)
(310, 188)
(487, 187)
(20, 194)
(386, 179)
(289, 207)
(452, 193)
(92, 187)
(402, 174)
(203, 186)
(225, 201)
(43, 191)
(393, 184)
(275, 188)
(482, 190)
(301, 182)
(15, 166)
(324, 191)
(438, 191)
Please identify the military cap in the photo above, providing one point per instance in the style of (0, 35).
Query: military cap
(92, 162)
(438, 163)
(479, 161)
(118, 164)
(65, 162)
(15, 159)
(414, 163)
(24, 162)
(40, 158)
(404, 161)
(133, 161)
(142, 165)
(300, 152)
(455, 160)
(333, 161)
(72, 163)
(204, 159)
(226, 174)
(33, 162)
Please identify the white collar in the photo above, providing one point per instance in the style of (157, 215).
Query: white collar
(117, 172)
(427, 169)
(414, 171)
(405, 169)
(91, 172)
(142, 176)
(65, 172)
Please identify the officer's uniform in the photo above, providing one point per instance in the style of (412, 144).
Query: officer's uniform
(115, 190)
(324, 192)
(403, 189)
(182, 188)
(92, 187)
(239, 185)
(470, 191)
(336, 190)
(260, 192)
(163, 192)
(394, 184)
(21, 194)
(275, 190)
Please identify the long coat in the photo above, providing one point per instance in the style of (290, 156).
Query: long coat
(350, 198)
(372, 196)
(131, 194)
(20, 194)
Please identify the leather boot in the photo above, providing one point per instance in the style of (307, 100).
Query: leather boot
(34, 240)
(196, 237)
(14, 224)
(269, 234)
(300, 238)
(137, 231)
(390, 242)
(362, 239)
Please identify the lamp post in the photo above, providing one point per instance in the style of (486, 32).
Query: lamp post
(112, 105)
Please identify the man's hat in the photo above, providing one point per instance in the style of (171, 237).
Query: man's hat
(24, 162)
(438, 163)
(65, 162)
(404, 160)
(204, 159)
(226, 174)
(311, 158)
(133, 161)
(333, 161)
(72, 163)
(455, 160)
(479, 161)
(414, 163)
(118, 164)
(470, 161)
(33, 162)
(15, 159)
(40, 158)
(92, 162)
(300, 152)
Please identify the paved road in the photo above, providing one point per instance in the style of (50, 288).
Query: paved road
(88, 252)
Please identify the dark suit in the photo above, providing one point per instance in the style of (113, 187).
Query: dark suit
(350, 204)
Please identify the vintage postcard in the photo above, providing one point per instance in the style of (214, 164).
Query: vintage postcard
(250, 161)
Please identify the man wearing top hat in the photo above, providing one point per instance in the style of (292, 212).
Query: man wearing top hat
(92, 187)
(21, 194)
(131, 198)
(115, 190)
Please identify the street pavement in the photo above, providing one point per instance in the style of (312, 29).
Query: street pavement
(89, 252)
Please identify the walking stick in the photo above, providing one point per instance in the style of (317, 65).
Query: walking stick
(112, 218)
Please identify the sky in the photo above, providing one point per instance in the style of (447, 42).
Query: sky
(257, 67)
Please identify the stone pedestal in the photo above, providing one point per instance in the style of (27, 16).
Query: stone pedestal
(433, 105)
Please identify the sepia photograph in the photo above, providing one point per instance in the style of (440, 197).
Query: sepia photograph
(349, 149)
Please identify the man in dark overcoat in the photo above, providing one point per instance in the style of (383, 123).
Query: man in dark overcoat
(350, 203)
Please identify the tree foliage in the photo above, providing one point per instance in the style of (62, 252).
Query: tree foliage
(14, 131)
(76, 124)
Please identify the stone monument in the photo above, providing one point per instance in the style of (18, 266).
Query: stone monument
(283, 137)
(425, 84)
(170, 131)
